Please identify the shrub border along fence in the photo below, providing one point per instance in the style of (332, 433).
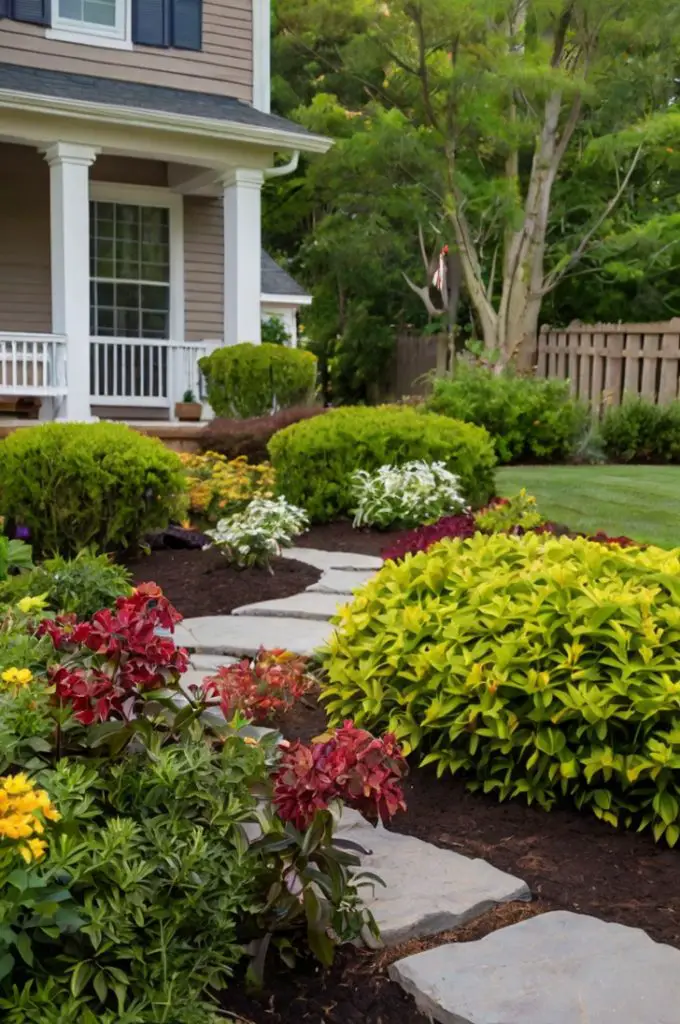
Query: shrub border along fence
(604, 362)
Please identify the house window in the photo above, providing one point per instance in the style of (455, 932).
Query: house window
(129, 270)
(104, 18)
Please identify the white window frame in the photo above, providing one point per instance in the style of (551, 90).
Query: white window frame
(151, 195)
(118, 36)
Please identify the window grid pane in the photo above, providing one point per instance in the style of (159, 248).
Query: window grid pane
(130, 270)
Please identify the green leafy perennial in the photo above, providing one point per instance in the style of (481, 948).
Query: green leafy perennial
(540, 667)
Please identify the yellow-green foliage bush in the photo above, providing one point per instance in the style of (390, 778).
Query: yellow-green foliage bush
(539, 667)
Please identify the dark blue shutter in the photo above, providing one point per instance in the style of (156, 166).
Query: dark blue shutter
(151, 22)
(187, 16)
(4, 8)
(36, 11)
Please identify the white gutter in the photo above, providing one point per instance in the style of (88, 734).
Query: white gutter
(228, 131)
(283, 169)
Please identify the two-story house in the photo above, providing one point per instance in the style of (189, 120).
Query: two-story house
(135, 138)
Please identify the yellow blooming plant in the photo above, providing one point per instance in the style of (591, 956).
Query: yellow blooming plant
(23, 813)
(16, 678)
(219, 487)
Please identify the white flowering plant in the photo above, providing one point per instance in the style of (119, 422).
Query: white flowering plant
(410, 495)
(256, 535)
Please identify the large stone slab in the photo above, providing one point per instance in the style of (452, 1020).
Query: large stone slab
(557, 968)
(427, 890)
(341, 581)
(243, 635)
(320, 607)
(333, 559)
(208, 664)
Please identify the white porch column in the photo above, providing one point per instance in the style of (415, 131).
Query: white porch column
(242, 255)
(70, 261)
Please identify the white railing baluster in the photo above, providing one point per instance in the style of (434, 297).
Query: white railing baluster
(28, 364)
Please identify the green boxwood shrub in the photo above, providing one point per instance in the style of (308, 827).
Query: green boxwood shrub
(539, 667)
(77, 485)
(315, 459)
(252, 380)
(638, 431)
(529, 419)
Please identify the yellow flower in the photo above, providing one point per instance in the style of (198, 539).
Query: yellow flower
(17, 676)
(32, 604)
(250, 740)
(34, 849)
(15, 785)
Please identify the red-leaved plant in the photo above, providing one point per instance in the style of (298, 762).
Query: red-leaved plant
(271, 683)
(462, 526)
(116, 655)
(349, 764)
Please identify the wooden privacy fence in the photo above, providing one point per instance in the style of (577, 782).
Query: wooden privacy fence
(604, 362)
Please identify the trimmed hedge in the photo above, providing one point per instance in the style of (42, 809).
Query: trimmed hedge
(77, 485)
(252, 380)
(233, 438)
(639, 431)
(539, 667)
(529, 419)
(315, 459)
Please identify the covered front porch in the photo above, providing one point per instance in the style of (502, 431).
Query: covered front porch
(127, 252)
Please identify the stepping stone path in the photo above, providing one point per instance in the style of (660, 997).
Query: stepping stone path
(427, 890)
(557, 968)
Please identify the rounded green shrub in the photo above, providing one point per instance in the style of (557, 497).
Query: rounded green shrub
(77, 485)
(315, 459)
(254, 380)
(529, 419)
(639, 431)
(539, 667)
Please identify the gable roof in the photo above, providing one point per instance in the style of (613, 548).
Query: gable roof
(183, 103)
(277, 281)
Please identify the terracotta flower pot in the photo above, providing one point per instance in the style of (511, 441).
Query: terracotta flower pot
(188, 412)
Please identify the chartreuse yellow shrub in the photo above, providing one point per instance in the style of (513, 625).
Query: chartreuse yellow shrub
(219, 487)
(539, 667)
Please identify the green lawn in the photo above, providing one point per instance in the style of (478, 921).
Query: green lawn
(642, 502)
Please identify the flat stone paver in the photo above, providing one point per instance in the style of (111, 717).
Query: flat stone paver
(207, 664)
(243, 635)
(556, 968)
(427, 890)
(300, 606)
(333, 559)
(341, 581)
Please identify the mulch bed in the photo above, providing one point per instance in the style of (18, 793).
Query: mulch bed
(201, 583)
(570, 862)
(341, 536)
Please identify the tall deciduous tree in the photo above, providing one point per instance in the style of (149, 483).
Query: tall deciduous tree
(511, 90)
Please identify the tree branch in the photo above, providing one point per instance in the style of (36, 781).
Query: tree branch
(554, 278)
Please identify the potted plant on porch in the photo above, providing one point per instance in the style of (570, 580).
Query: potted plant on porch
(188, 410)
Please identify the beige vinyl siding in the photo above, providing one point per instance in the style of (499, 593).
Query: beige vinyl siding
(223, 67)
(203, 268)
(25, 289)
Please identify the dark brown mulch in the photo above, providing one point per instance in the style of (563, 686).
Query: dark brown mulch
(201, 582)
(341, 536)
(357, 989)
(570, 861)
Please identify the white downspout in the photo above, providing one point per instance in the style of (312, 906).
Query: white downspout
(283, 169)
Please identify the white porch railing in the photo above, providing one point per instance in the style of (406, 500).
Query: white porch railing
(144, 372)
(32, 364)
